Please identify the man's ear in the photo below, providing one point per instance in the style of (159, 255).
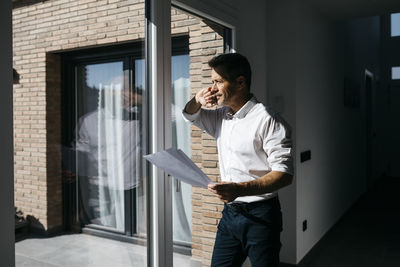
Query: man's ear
(241, 81)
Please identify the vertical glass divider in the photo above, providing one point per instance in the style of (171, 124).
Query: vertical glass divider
(158, 62)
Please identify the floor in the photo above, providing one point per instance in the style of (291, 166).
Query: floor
(83, 250)
(367, 235)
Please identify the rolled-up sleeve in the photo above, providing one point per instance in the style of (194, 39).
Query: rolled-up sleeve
(277, 145)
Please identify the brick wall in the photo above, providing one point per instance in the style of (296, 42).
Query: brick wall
(44, 29)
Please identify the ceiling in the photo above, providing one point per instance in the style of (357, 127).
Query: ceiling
(345, 9)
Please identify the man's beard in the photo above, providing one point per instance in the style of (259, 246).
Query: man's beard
(227, 97)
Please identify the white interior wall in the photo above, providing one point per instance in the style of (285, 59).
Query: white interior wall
(6, 136)
(334, 178)
(330, 182)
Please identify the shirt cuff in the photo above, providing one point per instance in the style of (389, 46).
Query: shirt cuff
(190, 117)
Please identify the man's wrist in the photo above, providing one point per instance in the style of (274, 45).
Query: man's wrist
(241, 189)
(192, 106)
(197, 100)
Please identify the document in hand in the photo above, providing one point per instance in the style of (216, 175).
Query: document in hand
(177, 164)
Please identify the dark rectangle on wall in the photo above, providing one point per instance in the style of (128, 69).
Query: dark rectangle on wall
(305, 155)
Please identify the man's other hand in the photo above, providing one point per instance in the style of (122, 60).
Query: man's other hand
(227, 192)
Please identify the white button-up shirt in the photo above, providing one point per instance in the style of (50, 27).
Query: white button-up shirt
(251, 143)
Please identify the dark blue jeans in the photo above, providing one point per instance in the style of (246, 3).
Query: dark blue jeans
(249, 229)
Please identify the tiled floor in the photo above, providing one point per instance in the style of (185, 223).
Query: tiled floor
(83, 250)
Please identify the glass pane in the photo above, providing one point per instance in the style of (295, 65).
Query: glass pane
(82, 133)
(395, 24)
(104, 163)
(195, 213)
(182, 211)
(395, 73)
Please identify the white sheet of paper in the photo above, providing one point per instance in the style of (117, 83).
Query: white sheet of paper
(177, 164)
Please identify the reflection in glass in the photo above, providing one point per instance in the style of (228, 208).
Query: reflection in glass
(107, 145)
(182, 193)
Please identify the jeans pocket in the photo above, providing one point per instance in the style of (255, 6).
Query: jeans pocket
(271, 215)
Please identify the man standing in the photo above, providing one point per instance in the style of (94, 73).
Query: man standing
(254, 152)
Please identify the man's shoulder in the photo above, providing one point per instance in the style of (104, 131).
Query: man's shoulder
(262, 111)
(267, 115)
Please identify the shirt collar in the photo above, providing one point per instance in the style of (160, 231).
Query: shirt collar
(242, 112)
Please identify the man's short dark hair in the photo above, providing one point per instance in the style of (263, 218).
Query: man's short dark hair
(231, 66)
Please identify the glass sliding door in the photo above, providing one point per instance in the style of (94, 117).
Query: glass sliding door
(102, 168)
(195, 210)
(108, 145)
(105, 138)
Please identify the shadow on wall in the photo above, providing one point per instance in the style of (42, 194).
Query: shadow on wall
(15, 77)
(21, 3)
